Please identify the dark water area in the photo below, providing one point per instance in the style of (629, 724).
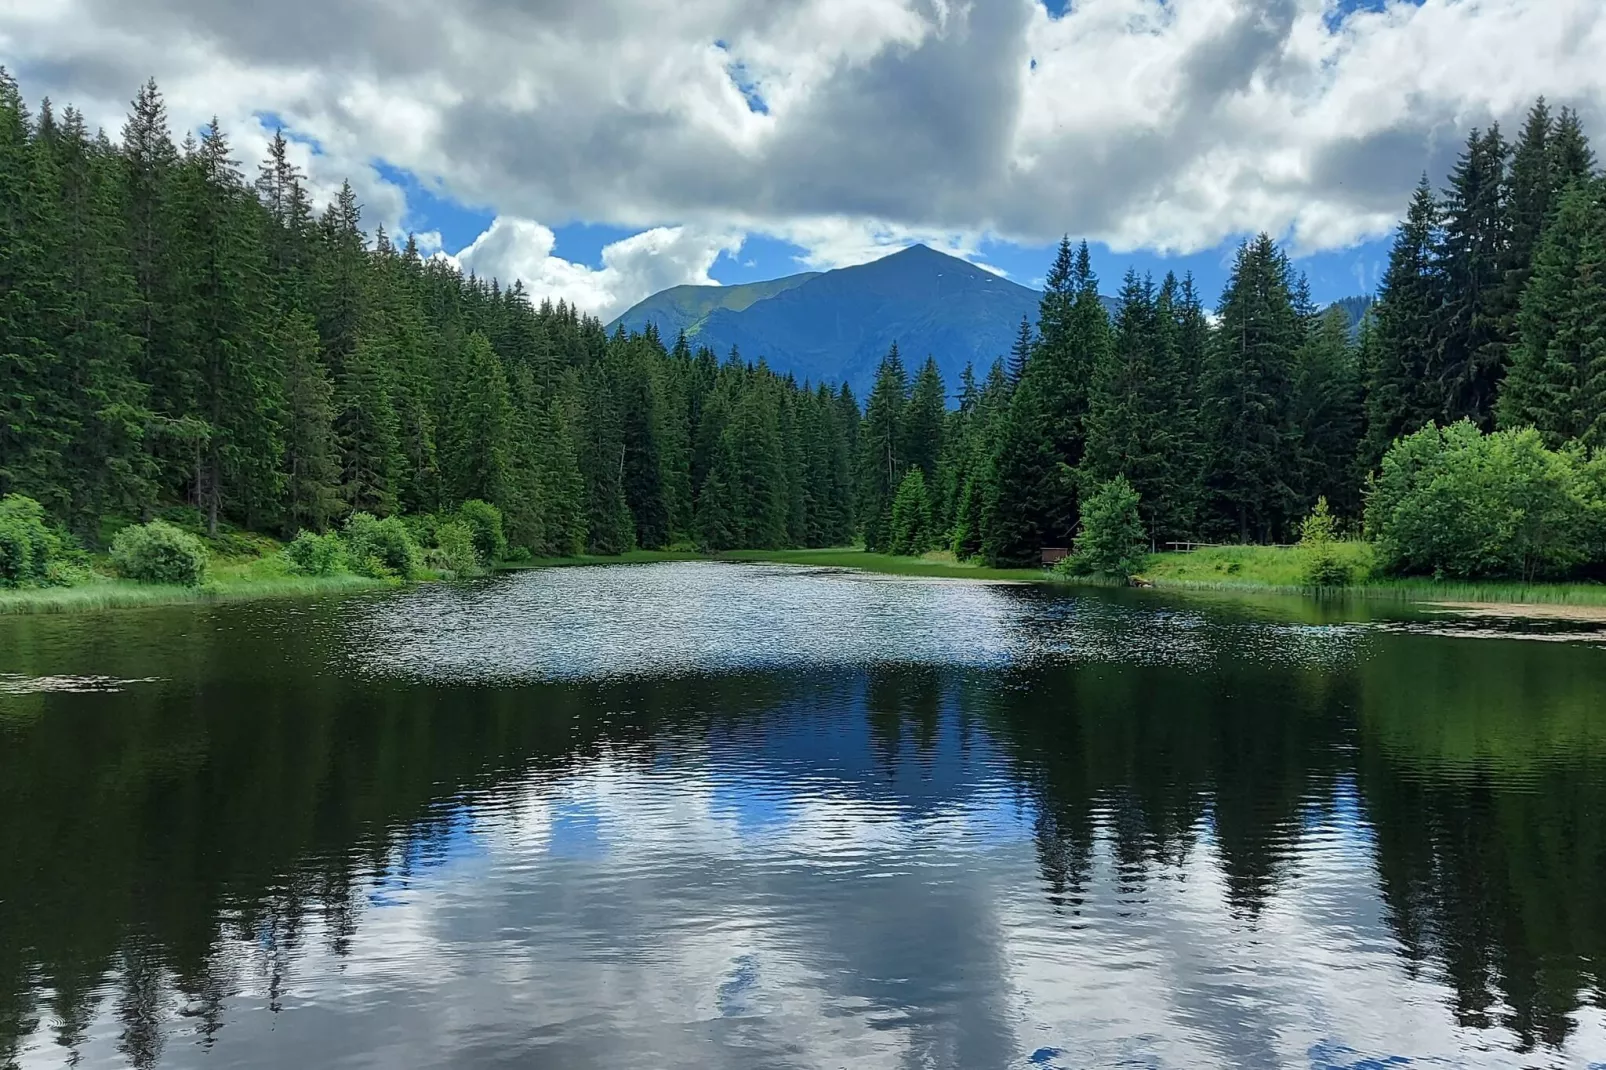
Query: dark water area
(704, 815)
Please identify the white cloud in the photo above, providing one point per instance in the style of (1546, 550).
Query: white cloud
(1162, 124)
(514, 248)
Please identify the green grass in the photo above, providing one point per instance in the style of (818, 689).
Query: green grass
(1242, 570)
(228, 579)
(1280, 570)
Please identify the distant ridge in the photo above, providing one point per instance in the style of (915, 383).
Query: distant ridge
(836, 326)
(684, 308)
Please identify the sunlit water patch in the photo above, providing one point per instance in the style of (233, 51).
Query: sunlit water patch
(700, 617)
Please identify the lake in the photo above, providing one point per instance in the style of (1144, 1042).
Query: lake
(718, 815)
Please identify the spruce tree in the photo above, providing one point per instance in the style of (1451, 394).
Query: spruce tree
(1558, 378)
(881, 441)
(1472, 257)
(311, 464)
(1246, 394)
(1021, 352)
(1327, 415)
(923, 421)
(1400, 394)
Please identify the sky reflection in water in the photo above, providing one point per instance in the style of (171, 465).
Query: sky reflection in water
(703, 815)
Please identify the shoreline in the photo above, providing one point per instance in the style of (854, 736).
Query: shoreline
(111, 594)
(1570, 601)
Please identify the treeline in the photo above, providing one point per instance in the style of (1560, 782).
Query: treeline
(172, 335)
(1232, 427)
(177, 340)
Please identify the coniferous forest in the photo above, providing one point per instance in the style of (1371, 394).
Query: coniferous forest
(177, 334)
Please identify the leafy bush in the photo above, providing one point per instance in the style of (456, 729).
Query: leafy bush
(1112, 540)
(158, 552)
(1318, 549)
(311, 554)
(910, 530)
(31, 552)
(1458, 503)
(381, 548)
(484, 523)
(454, 550)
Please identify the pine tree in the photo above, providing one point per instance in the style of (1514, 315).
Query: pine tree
(1558, 378)
(33, 430)
(881, 438)
(1472, 257)
(1021, 353)
(479, 431)
(1327, 414)
(911, 532)
(610, 529)
(311, 465)
(1571, 158)
(1246, 392)
(108, 469)
(1530, 201)
(923, 421)
(226, 358)
(1025, 471)
(1400, 396)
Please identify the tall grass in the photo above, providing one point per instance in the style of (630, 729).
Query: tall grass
(1280, 570)
(229, 579)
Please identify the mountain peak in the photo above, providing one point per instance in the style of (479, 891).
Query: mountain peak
(836, 326)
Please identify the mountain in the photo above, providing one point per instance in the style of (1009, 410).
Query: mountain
(684, 308)
(836, 326)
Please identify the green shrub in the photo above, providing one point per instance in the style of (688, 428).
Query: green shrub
(31, 552)
(1111, 540)
(381, 548)
(911, 531)
(1318, 550)
(454, 550)
(311, 554)
(1455, 502)
(158, 552)
(484, 523)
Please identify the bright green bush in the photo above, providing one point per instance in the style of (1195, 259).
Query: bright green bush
(1457, 503)
(1318, 550)
(381, 548)
(1112, 540)
(454, 550)
(31, 552)
(311, 554)
(484, 523)
(158, 552)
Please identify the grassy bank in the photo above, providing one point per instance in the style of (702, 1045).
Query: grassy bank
(1226, 569)
(1275, 569)
(935, 565)
(228, 579)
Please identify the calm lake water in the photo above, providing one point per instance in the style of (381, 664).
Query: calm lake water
(706, 815)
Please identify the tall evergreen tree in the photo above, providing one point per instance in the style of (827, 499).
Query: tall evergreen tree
(1021, 352)
(1327, 415)
(1401, 396)
(1558, 378)
(881, 441)
(1246, 389)
(1473, 257)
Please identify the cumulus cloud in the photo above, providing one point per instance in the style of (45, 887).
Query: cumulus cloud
(514, 248)
(847, 125)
